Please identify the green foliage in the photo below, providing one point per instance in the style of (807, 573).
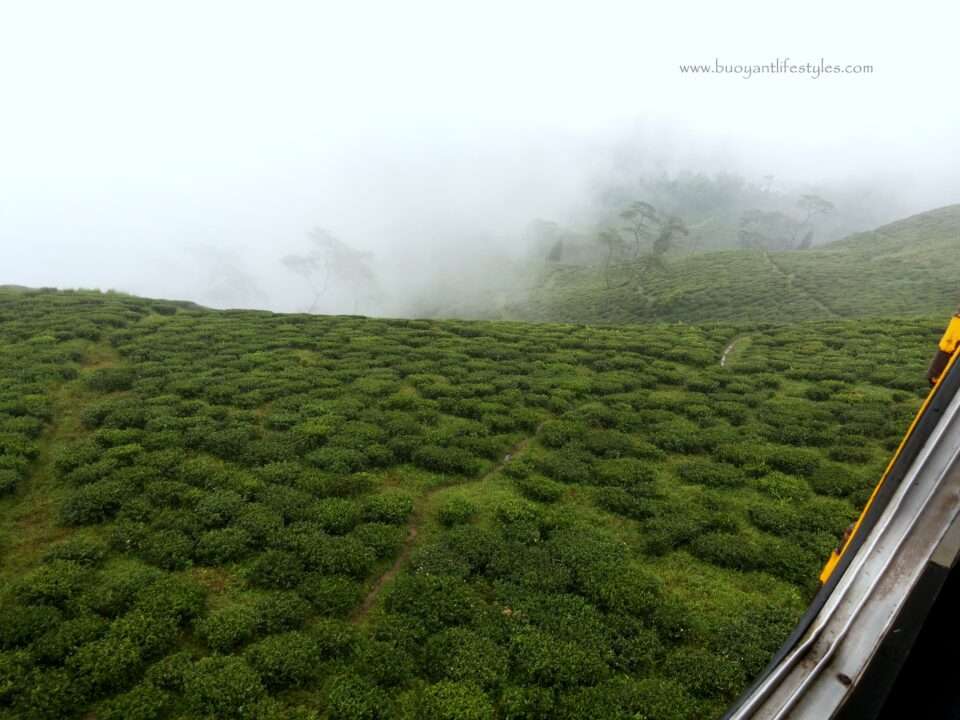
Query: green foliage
(144, 702)
(276, 569)
(351, 697)
(62, 641)
(269, 466)
(456, 510)
(539, 488)
(228, 627)
(389, 507)
(280, 610)
(436, 601)
(169, 549)
(705, 674)
(448, 700)
(110, 379)
(332, 595)
(222, 546)
(706, 472)
(20, 624)
(463, 655)
(81, 550)
(54, 583)
(624, 472)
(223, 687)
(286, 660)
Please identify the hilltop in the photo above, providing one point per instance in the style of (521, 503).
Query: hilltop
(253, 515)
(910, 267)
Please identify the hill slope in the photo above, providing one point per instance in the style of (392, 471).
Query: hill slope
(909, 267)
(243, 514)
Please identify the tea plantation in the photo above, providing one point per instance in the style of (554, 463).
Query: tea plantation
(248, 515)
(908, 267)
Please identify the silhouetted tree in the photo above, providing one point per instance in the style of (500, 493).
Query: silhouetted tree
(331, 260)
(642, 218)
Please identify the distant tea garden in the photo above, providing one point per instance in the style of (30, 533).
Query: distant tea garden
(241, 514)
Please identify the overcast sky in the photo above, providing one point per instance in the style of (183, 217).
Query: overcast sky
(142, 141)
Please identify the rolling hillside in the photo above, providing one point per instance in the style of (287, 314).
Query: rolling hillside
(249, 515)
(910, 267)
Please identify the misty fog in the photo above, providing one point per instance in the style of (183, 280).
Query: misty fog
(189, 150)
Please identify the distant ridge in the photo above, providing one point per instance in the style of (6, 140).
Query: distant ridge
(908, 267)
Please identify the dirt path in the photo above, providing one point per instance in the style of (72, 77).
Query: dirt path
(729, 348)
(28, 523)
(370, 600)
(789, 279)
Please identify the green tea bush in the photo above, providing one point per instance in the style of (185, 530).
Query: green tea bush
(172, 596)
(857, 454)
(392, 507)
(260, 522)
(623, 472)
(222, 687)
(21, 624)
(93, 503)
(558, 433)
(107, 665)
(528, 703)
(111, 379)
(780, 486)
(749, 639)
(62, 641)
(436, 601)
(50, 694)
(711, 474)
(794, 461)
(335, 638)
(456, 510)
(144, 702)
(169, 549)
(541, 659)
(705, 674)
(539, 488)
(447, 700)
(276, 569)
(837, 480)
(218, 547)
(624, 502)
(336, 515)
(382, 539)
(9, 479)
(169, 672)
(463, 655)
(286, 660)
(118, 587)
(453, 460)
(14, 673)
(281, 610)
(81, 550)
(569, 465)
(351, 697)
(680, 436)
(218, 508)
(386, 663)
(56, 583)
(331, 595)
(229, 627)
(729, 550)
(153, 633)
(337, 459)
(520, 521)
